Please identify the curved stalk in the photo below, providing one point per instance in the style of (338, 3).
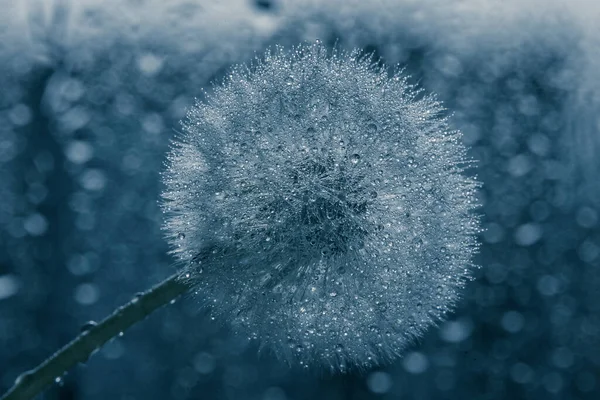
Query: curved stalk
(32, 382)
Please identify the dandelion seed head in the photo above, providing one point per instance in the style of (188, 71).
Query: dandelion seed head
(320, 207)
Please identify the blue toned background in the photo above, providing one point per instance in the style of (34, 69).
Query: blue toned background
(91, 92)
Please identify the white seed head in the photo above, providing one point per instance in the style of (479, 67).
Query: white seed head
(320, 207)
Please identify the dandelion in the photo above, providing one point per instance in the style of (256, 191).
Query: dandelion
(320, 207)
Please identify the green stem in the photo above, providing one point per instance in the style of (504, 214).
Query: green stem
(32, 382)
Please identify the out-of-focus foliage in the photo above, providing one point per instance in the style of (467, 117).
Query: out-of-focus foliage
(90, 95)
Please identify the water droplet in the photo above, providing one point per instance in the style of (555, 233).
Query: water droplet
(137, 297)
(87, 326)
(354, 158)
(59, 381)
(181, 236)
(339, 348)
(23, 378)
(196, 260)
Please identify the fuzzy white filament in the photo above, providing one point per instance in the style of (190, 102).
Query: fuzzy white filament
(320, 207)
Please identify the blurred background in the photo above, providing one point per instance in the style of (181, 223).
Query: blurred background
(91, 92)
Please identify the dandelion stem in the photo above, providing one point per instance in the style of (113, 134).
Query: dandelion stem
(32, 382)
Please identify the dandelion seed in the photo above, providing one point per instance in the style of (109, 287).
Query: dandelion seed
(343, 207)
